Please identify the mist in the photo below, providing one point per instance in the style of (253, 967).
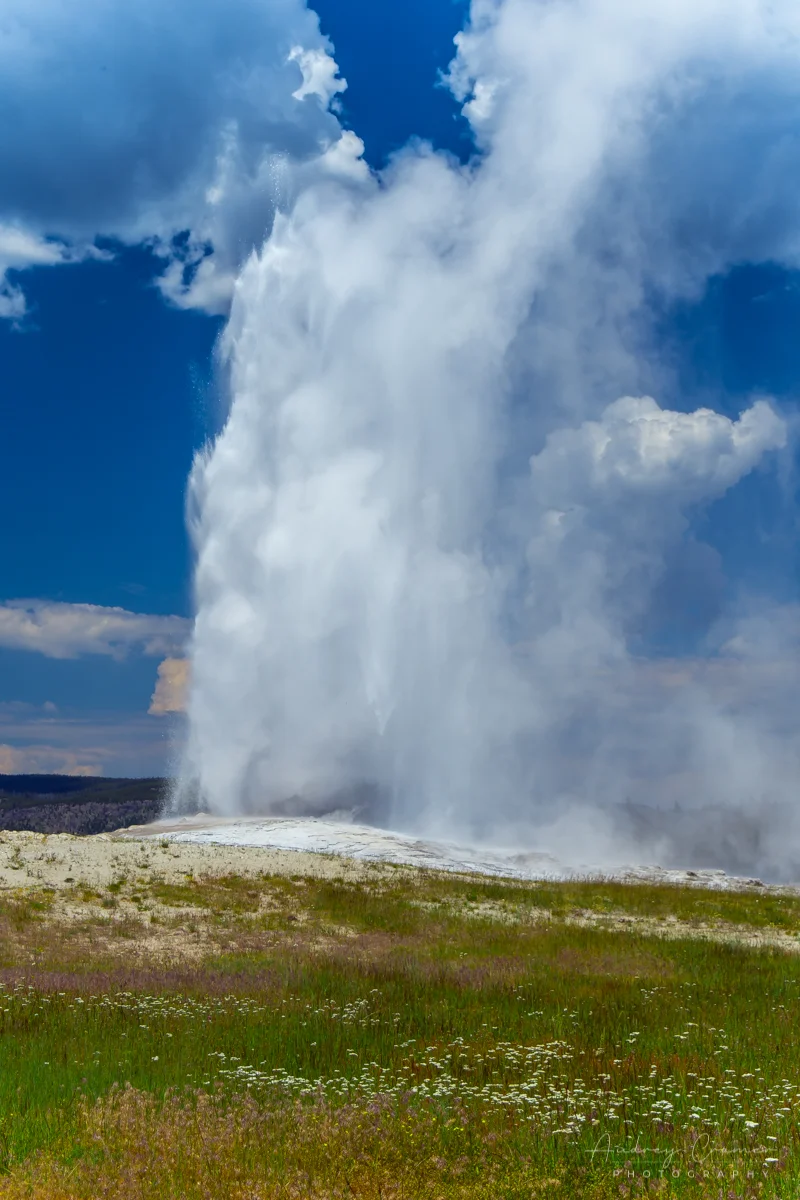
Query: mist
(458, 496)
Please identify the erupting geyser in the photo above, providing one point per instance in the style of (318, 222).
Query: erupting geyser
(445, 519)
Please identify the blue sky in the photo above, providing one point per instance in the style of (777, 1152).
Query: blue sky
(110, 386)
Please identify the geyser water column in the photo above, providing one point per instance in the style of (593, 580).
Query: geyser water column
(429, 524)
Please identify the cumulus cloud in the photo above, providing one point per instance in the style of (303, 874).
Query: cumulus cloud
(171, 688)
(320, 75)
(637, 448)
(184, 125)
(60, 630)
(609, 499)
(438, 536)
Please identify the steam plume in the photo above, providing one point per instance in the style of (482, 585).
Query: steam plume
(432, 537)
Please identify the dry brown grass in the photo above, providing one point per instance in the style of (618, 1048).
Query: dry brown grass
(622, 964)
(209, 1147)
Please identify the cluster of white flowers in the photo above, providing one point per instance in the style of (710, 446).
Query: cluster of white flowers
(539, 1082)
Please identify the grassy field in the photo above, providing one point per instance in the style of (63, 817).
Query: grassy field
(399, 1035)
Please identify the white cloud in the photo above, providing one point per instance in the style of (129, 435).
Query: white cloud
(19, 249)
(638, 449)
(608, 501)
(13, 305)
(69, 630)
(172, 687)
(320, 75)
(146, 122)
(431, 538)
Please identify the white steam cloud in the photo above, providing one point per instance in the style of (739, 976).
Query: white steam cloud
(431, 537)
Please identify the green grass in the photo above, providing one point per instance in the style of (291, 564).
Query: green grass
(400, 1037)
(687, 904)
(228, 895)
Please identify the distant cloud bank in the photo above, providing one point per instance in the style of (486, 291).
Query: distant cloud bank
(41, 739)
(44, 760)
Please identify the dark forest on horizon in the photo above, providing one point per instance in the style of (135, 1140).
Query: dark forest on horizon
(77, 804)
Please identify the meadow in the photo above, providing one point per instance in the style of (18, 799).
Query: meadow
(398, 1034)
